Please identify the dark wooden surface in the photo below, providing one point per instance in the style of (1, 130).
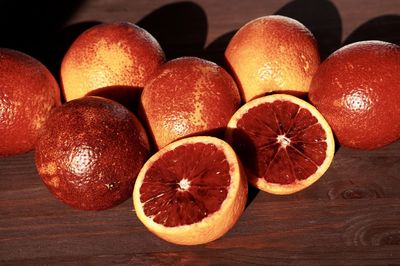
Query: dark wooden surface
(350, 216)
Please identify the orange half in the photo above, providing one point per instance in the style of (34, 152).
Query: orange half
(192, 191)
(285, 144)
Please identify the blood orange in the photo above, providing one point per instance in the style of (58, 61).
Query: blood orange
(89, 153)
(28, 93)
(192, 191)
(188, 96)
(273, 53)
(284, 142)
(357, 89)
(110, 59)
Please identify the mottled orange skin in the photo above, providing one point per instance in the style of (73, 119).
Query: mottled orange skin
(110, 55)
(28, 92)
(357, 89)
(90, 152)
(270, 54)
(188, 96)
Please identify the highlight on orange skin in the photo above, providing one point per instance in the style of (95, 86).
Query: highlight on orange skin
(110, 54)
(357, 90)
(273, 54)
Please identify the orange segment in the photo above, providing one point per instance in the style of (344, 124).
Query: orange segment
(284, 142)
(192, 191)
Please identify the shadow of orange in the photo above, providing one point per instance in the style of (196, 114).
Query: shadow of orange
(128, 96)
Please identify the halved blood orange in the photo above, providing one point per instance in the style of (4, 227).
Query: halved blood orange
(192, 191)
(285, 144)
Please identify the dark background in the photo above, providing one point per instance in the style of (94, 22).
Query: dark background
(350, 216)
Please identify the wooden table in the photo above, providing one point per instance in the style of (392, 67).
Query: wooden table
(350, 216)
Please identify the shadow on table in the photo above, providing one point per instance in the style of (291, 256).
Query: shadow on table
(128, 96)
(216, 49)
(64, 38)
(384, 28)
(32, 27)
(321, 17)
(180, 28)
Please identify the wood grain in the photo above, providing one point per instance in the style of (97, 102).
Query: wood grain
(350, 216)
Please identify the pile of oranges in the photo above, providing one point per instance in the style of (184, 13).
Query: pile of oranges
(185, 137)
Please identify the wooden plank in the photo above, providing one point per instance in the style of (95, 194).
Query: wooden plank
(307, 230)
(350, 216)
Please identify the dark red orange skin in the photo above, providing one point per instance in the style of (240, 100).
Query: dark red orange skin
(90, 152)
(28, 92)
(188, 96)
(357, 89)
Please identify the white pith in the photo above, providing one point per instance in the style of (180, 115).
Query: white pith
(283, 140)
(184, 184)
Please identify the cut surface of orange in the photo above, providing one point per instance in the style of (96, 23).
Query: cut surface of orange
(285, 144)
(192, 191)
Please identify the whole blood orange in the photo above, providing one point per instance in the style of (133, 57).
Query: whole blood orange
(357, 89)
(273, 53)
(90, 152)
(28, 92)
(110, 56)
(191, 191)
(188, 96)
(284, 143)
